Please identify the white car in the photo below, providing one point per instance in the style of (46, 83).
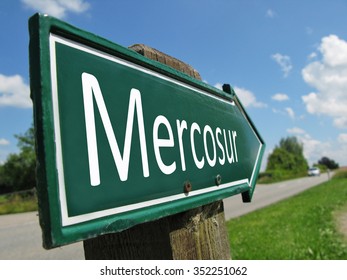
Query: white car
(314, 171)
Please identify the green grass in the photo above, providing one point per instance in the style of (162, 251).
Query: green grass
(17, 203)
(302, 227)
(275, 176)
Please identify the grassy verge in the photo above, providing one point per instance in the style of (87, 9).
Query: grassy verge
(302, 227)
(275, 176)
(17, 203)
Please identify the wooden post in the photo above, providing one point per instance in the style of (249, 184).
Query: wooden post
(195, 234)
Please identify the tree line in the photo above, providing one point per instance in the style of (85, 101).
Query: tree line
(287, 161)
(18, 171)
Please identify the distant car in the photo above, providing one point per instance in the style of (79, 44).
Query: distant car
(314, 171)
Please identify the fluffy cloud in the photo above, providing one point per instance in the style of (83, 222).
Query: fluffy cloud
(334, 51)
(290, 112)
(313, 148)
(312, 55)
(57, 8)
(219, 86)
(247, 97)
(296, 130)
(329, 77)
(280, 97)
(284, 62)
(14, 92)
(342, 138)
(4, 142)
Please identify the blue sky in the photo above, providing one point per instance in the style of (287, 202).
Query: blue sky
(286, 60)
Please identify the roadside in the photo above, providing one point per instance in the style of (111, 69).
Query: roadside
(20, 234)
(20, 239)
(307, 226)
(340, 218)
(18, 202)
(268, 194)
(341, 215)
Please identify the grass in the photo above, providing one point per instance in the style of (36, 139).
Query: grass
(275, 176)
(302, 227)
(17, 203)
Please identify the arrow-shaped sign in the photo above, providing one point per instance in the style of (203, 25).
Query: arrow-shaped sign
(124, 140)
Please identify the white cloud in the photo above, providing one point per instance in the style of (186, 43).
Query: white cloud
(284, 62)
(280, 97)
(312, 56)
(334, 50)
(248, 98)
(219, 86)
(342, 138)
(313, 149)
(340, 122)
(296, 130)
(270, 13)
(14, 92)
(57, 8)
(290, 112)
(4, 142)
(329, 77)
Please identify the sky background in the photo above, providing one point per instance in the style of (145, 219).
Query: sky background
(286, 60)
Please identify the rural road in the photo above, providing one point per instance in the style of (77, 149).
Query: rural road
(20, 234)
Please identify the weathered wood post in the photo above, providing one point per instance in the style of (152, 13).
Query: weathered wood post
(195, 234)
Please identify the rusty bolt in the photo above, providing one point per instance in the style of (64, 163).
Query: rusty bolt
(218, 180)
(187, 187)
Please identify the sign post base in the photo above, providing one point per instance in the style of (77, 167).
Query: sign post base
(196, 234)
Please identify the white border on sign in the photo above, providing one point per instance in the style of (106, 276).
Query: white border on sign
(71, 220)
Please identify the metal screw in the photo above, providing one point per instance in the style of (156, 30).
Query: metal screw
(187, 187)
(218, 180)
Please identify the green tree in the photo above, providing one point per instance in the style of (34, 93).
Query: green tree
(18, 172)
(292, 146)
(287, 159)
(280, 159)
(329, 163)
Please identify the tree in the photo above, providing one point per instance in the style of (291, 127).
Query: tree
(329, 163)
(18, 172)
(280, 159)
(292, 146)
(288, 157)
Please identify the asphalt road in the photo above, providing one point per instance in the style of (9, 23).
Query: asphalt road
(20, 234)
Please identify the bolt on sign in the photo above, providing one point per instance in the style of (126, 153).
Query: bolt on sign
(123, 140)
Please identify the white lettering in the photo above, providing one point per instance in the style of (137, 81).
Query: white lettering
(91, 88)
(158, 143)
(211, 162)
(234, 141)
(92, 91)
(231, 156)
(199, 163)
(181, 126)
(220, 159)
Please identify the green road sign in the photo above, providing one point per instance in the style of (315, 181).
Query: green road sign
(122, 140)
